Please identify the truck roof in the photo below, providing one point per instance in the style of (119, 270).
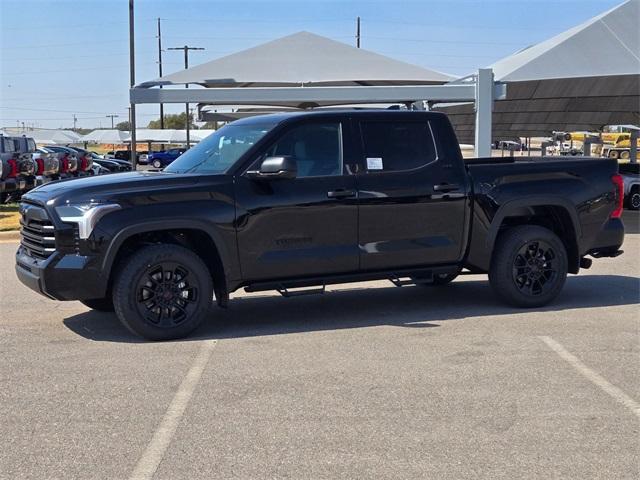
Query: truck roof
(276, 118)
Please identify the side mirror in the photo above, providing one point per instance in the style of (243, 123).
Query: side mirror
(275, 168)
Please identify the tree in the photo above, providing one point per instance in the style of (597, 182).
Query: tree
(123, 126)
(210, 126)
(173, 121)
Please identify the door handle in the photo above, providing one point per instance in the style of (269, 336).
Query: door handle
(446, 187)
(341, 193)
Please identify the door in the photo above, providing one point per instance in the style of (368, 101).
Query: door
(411, 196)
(305, 226)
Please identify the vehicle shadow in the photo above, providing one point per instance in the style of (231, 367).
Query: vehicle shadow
(409, 307)
(631, 220)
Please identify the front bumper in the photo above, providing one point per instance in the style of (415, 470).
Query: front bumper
(62, 277)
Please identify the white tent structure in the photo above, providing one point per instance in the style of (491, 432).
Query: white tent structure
(151, 135)
(581, 79)
(44, 136)
(107, 136)
(303, 59)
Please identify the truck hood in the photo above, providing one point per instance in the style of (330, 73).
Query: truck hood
(130, 187)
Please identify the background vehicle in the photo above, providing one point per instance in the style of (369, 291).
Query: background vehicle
(631, 175)
(305, 200)
(68, 159)
(8, 167)
(112, 165)
(162, 159)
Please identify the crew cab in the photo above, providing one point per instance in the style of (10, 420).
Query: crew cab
(300, 200)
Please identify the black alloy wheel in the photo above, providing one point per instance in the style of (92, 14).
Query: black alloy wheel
(165, 295)
(534, 268)
(163, 292)
(529, 266)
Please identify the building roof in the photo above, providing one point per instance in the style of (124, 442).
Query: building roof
(581, 79)
(607, 44)
(303, 59)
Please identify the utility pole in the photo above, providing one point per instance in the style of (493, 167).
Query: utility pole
(132, 82)
(75, 121)
(358, 32)
(186, 49)
(112, 116)
(160, 72)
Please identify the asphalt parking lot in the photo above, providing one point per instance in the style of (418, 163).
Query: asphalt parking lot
(366, 381)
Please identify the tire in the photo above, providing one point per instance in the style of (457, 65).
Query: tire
(625, 155)
(157, 164)
(529, 266)
(163, 292)
(633, 199)
(614, 154)
(99, 304)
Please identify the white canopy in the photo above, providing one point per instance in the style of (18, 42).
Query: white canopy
(581, 79)
(608, 44)
(154, 135)
(303, 59)
(107, 136)
(60, 137)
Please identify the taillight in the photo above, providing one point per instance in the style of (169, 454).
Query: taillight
(13, 171)
(619, 183)
(40, 166)
(64, 164)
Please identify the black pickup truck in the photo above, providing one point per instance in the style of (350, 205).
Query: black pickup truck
(297, 201)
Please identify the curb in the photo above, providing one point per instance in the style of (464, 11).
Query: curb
(8, 236)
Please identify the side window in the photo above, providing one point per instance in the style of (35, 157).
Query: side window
(317, 148)
(395, 146)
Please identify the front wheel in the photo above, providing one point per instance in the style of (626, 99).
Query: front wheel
(529, 266)
(164, 292)
(633, 200)
(157, 164)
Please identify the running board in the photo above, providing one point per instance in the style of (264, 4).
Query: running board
(285, 292)
(398, 277)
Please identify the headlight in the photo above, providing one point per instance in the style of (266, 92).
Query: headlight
(85, 215)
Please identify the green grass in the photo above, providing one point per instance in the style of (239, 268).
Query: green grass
(9, 217)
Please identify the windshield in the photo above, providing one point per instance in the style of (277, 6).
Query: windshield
(221, 150)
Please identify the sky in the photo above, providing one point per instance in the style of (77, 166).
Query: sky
(61, 58)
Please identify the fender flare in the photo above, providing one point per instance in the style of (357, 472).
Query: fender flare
(166, 224)
(529, 202)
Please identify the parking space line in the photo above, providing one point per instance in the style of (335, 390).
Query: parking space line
(150, 460)
(594, 377)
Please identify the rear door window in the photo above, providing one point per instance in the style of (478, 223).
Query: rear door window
(397, 146)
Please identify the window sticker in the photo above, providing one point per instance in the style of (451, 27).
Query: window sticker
(374, 163)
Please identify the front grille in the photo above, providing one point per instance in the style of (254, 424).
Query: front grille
(36, 232)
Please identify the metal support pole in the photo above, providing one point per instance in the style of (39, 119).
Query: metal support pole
(132, 81)
(484, 109)
(633, 148)
(358, 32)
(186, 49)
(160, 72)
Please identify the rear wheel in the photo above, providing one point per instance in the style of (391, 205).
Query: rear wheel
(164, 292)
(99, 304)
(157, 164)
(633, 199)
(625, 155)
(614, 154)
(529, 266)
